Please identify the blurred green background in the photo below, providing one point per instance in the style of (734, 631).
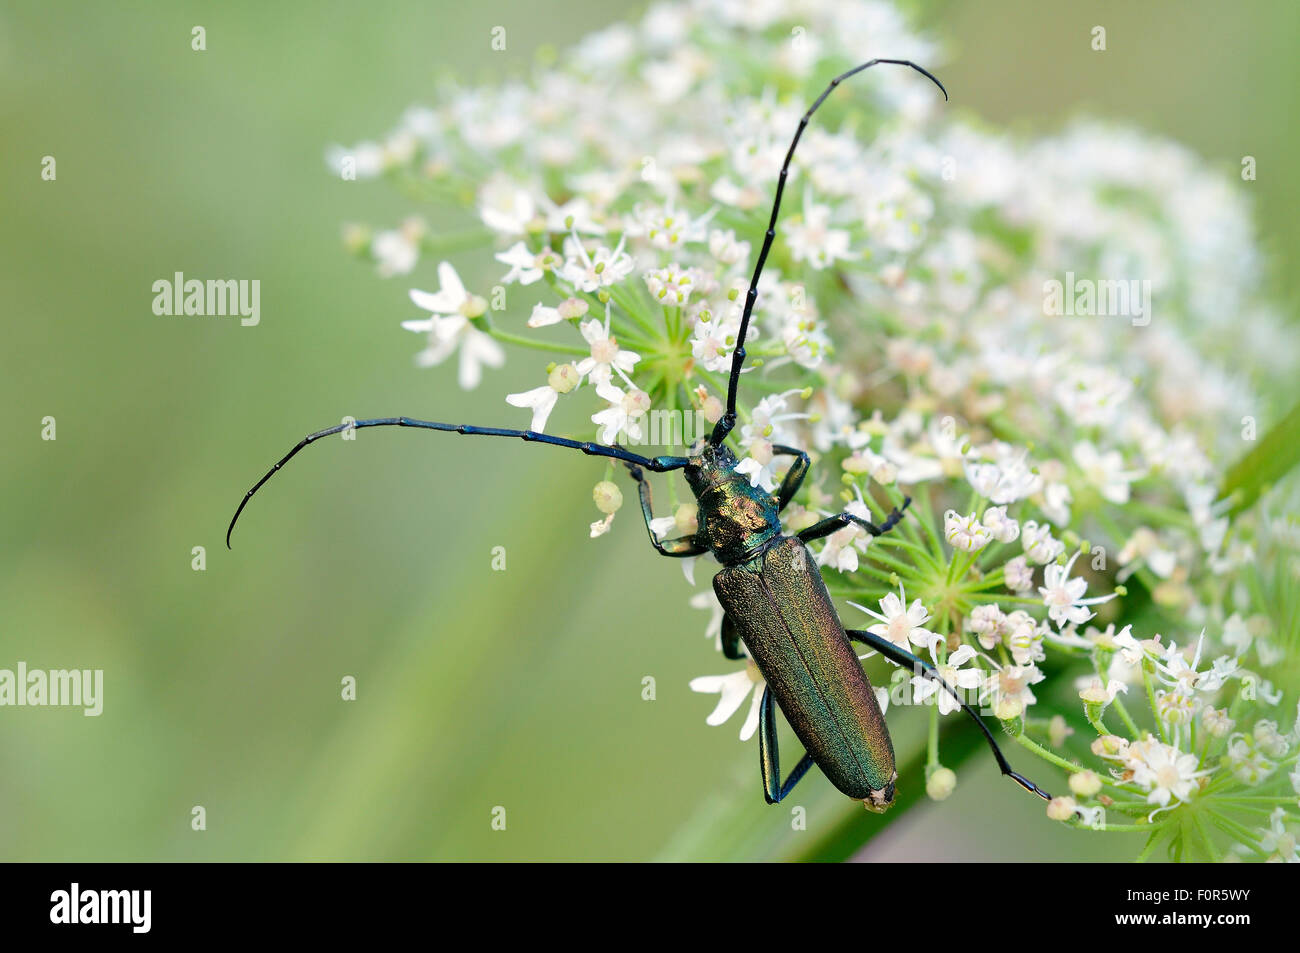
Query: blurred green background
(372, 559)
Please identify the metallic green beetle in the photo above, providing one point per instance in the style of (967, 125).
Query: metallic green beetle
(772, 594)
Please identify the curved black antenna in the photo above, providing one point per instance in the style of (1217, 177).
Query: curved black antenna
(656, 464)
(728, 420)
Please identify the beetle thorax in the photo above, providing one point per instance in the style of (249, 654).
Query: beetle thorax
(737, 520)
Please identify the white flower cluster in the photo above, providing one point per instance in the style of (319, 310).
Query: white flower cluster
(1042, 342)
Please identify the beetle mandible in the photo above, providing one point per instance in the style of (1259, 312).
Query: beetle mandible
(773, 597)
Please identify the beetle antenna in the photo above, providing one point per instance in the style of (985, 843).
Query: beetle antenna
(655, 464)
(728, 420)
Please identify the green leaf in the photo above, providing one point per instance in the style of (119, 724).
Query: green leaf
(1272, 458)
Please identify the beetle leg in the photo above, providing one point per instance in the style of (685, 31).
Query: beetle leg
(902, 657)
(769, 760)
(681, 547)
(793, 477)
(841, 520)
(731, 640)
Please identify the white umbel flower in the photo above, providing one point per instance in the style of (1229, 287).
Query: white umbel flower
(1039, 544)
(900, 623)
(1167, 774)
(733, 689)
(1105, 471)
(965, 532)
(449, 328)
(1063, 596)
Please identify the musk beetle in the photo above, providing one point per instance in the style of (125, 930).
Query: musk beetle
(774, 599)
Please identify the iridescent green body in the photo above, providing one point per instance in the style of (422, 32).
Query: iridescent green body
(773, 593)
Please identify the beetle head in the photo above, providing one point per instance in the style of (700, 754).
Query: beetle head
(709, 466)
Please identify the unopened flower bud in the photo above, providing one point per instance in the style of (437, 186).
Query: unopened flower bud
(572, 308)
(1270, 740)
(1095, 694)
(1085, 783)
(1061, 808)
(855, 463)
(1008, 708)
(1217, 722)
(1019, 574)
(563, 378)
(1109, 746)
(608, 497)
(1058, 729)
(940, 784)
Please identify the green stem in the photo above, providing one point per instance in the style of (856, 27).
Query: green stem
(875, 573)
(897, 564)
(1256, 799)
(927, 523)
(1150, 845)
(1125, 717)
(1021, 600)
(932, 741)
(963, 560)
(1114, 828)
(908, 526)
(1238, 832)
(521, 341)
(1203, 829)
(919, 551)
(1151, 700)
(1248, 809)
(1061, 763)
(993, 580)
